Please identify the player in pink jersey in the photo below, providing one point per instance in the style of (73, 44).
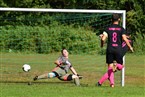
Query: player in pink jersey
(116, 35)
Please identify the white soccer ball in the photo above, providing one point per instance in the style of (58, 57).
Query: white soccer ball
(26, 67)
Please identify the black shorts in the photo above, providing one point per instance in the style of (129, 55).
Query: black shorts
(110, 57)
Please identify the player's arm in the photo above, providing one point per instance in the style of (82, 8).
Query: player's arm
(127, 42)
(75, 73)
(58, 62)
(73, 70)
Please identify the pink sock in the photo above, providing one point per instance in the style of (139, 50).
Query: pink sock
(111, 75)
(119, 66)
(104, 77)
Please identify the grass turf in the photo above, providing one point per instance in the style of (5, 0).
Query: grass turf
(14, 82)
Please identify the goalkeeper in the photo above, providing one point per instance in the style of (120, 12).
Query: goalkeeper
(63, 65)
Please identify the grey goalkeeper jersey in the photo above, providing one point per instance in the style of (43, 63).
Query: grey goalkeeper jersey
(66, 64)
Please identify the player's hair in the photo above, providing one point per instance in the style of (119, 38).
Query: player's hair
(115, 17)
(62, 50)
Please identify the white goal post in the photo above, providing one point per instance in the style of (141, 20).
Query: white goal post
(123, 12)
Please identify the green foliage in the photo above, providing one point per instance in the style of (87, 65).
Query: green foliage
(139, 44)
(135, 14)
(2, 4)
(135, 21)
(48, 39)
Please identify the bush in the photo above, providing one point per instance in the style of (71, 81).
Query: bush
(139, 45)
(48, 39)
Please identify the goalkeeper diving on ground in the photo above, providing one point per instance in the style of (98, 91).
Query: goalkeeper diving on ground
(63, 65)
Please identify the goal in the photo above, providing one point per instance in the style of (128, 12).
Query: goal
(97, 19)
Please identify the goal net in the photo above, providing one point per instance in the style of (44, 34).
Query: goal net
(45, 31)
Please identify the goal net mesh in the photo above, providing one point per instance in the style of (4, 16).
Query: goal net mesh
(25, 35)
(39, 31)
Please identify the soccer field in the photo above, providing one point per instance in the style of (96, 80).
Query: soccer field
(14, 82)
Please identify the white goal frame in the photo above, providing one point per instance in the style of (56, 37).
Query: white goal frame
(123, 12)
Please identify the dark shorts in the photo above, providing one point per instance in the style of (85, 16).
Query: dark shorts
(62, 74)
(111, 57)
(67, 77)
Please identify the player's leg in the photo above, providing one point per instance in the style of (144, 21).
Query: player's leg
(104, 77)
(119, 66)
(46, 75)
(54, 73)
(109, 74)
(109, 60)
(69, 77)
(119, 60)
(120, 56)
(76, 80)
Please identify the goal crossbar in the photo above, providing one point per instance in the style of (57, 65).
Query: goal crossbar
(61, 10)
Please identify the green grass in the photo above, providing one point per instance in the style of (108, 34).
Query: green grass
(92, 67)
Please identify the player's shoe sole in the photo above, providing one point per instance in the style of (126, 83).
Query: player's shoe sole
(80, 76)
(112, 86)
(35, 78)
(98, 84)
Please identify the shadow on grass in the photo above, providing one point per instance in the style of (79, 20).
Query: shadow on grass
(36, 82)
(70, 83)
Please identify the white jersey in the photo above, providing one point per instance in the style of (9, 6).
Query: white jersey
(66, 64)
